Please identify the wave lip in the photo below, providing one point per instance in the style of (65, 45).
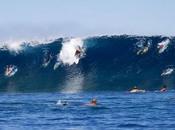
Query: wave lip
(17, 46)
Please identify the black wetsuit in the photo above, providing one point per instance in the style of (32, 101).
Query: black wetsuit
(78, 53)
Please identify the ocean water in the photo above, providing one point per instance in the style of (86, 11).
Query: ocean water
(116, 61)
(115, 110)
(106, 68)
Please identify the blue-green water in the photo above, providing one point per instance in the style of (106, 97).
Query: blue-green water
(115, 110)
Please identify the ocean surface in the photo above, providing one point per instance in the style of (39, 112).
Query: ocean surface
(115, 110)
(35, 75)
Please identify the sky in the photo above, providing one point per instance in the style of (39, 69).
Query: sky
(64, 18)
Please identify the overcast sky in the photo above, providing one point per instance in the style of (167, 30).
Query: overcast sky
(44, 18)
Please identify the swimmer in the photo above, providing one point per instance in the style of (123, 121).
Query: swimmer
(62, 103)
(93, 102)
(136, 90)
(163, 89)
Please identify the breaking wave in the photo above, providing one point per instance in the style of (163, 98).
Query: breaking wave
(104, 63)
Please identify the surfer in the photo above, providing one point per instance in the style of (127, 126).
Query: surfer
(93, 102)
(163, 89)
(135, 89)
(143, 50)
(10, 70)
(7, 70)
(167, 71)
(162, 46)
(47, 59)
(62, 103)
(78, 52)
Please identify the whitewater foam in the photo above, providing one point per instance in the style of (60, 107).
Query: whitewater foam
(67, 54)
(17, 46)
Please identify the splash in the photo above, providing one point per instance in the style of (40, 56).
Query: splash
(74, 84)
(13, 46)
(16, 46)
(67, 54)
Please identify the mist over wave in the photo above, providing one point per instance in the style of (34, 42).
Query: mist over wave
(105, 63)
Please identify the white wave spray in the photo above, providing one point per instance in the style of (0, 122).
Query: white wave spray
(17, 46)
(67, 54)
(73, 84)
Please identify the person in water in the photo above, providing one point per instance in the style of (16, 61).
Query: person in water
(161, 46)
(78, 52)
(9, 69)
(62, 103)
(93, 102)
(136, 89)
(47, 58)
(163, 89)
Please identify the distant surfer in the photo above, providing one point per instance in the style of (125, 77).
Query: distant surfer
(167, 71)
(78, 52)
(163, 89)
(93, 102)
(7, 70)
(135, 89)
(10, 70)
(62, 103)
(162, 46)
(143, 48)
(47, 59)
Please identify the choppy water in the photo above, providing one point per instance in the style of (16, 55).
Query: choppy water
(116, 110)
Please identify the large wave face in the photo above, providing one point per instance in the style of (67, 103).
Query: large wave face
(107, 63)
